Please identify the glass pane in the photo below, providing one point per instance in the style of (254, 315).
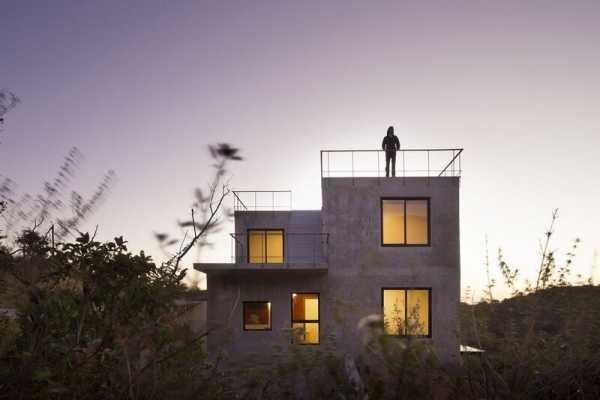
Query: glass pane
(305, 306)
(306, 332)
(416, 222)
(418, 312)
(393, 311)
(275, 247)
(256, 247)
(257, 316)
(393, 221)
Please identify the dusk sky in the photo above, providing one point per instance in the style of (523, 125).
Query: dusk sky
(143, 88)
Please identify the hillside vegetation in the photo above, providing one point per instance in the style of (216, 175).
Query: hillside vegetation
(542, 345)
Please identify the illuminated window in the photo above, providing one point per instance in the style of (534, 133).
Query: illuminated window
(405, 222)
(406, 312)
(265, 246)
(305, 317)
(257, 316)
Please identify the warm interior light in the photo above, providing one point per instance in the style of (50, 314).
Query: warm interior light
(305, 316)
(406, 312)
(265, 246)
(257, 316)
(393, 222)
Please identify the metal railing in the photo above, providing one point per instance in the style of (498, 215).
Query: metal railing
(298, 248)
(262, 200)
(409, 163)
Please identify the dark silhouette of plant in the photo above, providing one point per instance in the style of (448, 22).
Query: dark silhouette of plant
(49, 210)
(547, 263)
(207, 211)
(96, 321)
(490, 282)
(509, 275)
(8, 101)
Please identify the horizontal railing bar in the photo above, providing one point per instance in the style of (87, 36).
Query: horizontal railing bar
(262, 191)
(374, 170)
(374, 150)
(286, 234)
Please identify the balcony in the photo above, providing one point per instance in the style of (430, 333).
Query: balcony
(409, 163)
(299, 252)
(262, 200)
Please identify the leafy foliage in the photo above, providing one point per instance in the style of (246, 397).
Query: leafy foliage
(96, 321)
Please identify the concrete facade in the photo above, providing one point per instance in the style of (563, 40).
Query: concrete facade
(346, 264)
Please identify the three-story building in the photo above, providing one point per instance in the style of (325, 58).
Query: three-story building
(386, 247)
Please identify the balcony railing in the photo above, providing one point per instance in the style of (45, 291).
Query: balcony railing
(262, 200)
(409, 163)
(298, 248)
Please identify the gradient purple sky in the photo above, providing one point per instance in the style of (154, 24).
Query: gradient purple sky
(143, 87)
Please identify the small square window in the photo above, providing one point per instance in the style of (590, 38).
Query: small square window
(405, 222)
(406, 312)
(257, 316)
(265, 246)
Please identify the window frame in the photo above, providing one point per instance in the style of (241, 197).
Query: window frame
(429, 310)
(244, 315)
(428, 244)
(304, 321)
(265, 249)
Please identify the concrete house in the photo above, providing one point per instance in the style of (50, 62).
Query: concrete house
(379, 247)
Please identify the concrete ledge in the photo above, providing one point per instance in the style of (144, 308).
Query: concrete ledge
(239, 267)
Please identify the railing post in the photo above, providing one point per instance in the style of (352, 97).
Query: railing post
(321, 161)
(378, 163)
(428, 166)
(273, 201)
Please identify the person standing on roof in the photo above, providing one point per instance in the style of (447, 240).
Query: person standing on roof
(390, 145)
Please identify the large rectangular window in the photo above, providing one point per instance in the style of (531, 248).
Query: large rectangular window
(305, 317)
(257, 316)
(405, 222)
(407, 312)
(265, 246)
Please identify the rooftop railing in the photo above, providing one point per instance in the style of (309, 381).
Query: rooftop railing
(409, 163)
(262, 200)
(298, 248)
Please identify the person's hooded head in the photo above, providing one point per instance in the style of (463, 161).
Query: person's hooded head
(390, 131)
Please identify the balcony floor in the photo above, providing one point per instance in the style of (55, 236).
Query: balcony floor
(240, 267)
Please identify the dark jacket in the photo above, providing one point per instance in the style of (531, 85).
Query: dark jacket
(390, 143)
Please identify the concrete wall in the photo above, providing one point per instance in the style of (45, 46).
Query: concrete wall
(359, 267)
(228, 290)
(301, 245)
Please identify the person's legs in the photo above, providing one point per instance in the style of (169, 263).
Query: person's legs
(387, 163)
(394, 163)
